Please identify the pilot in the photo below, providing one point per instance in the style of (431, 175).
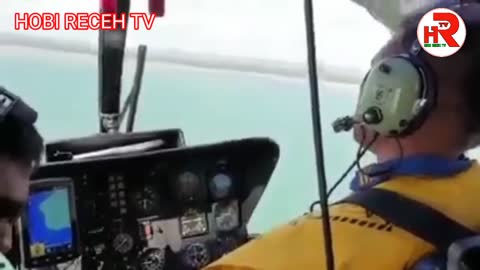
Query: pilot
(21, 147)
(427, 169)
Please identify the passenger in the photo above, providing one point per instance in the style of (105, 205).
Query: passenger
(21, 147)
(429, 171)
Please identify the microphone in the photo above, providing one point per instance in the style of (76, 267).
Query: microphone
(156, 7)
(343, 124)
(371, 116)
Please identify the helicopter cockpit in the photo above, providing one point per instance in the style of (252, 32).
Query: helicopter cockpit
(176, 207)
(139, 200)
(148, 200)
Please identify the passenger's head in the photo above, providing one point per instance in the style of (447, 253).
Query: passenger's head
(450, 126)
(21, 148)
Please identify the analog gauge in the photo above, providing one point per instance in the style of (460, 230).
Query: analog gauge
(153, 259)
(196, 255)
(226, 216)
(188, 187)
(221, 185)
(146, 199)
(122, 243)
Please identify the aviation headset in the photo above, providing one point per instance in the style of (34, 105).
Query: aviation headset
(12, 106)
(399, 92)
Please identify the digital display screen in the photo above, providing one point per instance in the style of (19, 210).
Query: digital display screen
(49, 223)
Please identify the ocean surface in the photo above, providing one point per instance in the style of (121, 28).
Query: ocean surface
(208, 105)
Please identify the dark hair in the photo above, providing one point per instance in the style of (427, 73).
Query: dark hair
(20, 141)
(469, 53)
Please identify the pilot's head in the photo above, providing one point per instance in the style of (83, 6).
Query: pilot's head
(455, 119)
(21, 147)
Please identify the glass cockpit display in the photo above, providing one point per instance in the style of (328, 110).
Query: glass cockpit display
(49, 223)
(50, 227)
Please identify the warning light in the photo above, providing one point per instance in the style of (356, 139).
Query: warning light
(37, 250)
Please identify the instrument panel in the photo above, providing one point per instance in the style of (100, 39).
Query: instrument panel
(161, 216)
(172, 209)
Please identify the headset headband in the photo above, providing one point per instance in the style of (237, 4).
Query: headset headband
(415, 49)
(13, 106)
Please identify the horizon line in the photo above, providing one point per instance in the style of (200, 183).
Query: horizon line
(326, 72)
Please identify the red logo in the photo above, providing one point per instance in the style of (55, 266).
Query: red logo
(441, 32)
(448, 26)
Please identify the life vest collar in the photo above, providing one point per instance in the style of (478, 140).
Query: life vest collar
(420, 165)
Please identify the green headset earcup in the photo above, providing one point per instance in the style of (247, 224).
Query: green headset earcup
(392, 96)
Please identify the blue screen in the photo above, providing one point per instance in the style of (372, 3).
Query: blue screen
(49, 221)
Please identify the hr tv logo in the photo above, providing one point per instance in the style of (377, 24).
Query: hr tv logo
(441, 32)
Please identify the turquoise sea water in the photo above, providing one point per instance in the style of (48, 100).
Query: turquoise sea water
(209, 106)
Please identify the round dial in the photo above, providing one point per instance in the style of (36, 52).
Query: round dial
(189, 187)
(122, 243)
(196, 255)
(221, 185)
(153, 259)
(146, 199)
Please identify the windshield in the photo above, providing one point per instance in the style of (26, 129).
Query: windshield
(195, 79)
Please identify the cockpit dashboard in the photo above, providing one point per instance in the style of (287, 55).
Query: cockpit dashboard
(178, 208)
